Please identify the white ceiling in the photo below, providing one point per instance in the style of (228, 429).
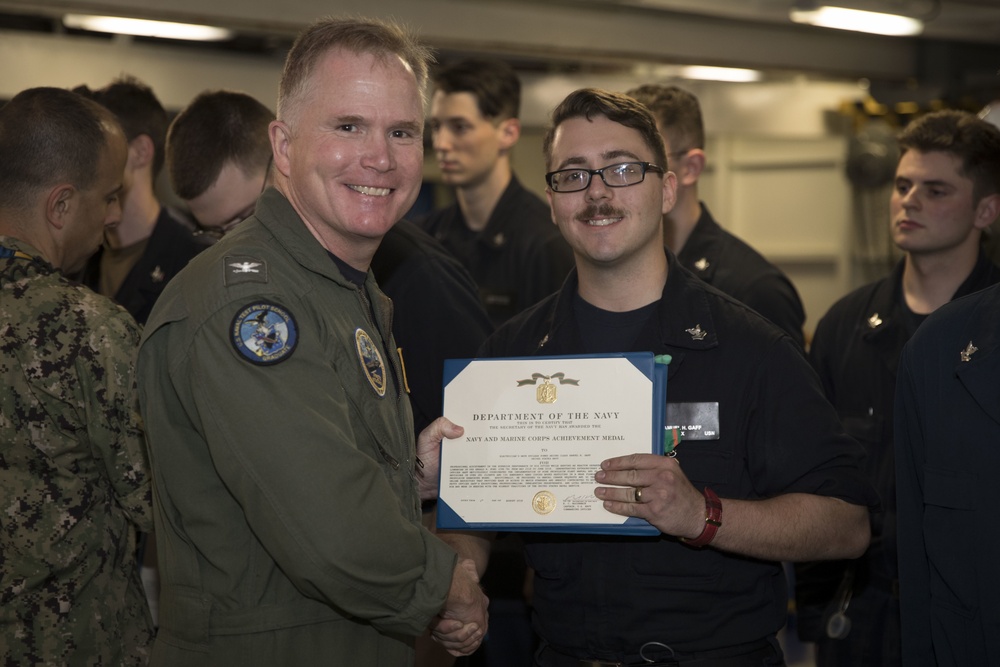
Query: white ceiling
(961, 42)
(966, 20)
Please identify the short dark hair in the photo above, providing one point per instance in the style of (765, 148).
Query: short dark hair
(383, 39)
(616, 107)
(137, 109)
(49, 136)
(973, 140)
(493, 83)
(217, 127)
(677, 111)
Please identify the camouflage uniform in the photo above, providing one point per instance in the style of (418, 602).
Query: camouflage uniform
(74, 481)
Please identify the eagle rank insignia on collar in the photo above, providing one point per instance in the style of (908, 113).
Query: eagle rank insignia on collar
(244, 269)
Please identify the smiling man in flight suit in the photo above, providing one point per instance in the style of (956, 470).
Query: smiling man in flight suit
(286, 479)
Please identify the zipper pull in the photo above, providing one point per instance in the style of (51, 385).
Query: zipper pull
(388, 457)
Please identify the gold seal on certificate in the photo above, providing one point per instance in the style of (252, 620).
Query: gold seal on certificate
(543, 502)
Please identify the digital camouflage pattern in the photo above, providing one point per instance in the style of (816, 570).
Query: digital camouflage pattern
(74, 481)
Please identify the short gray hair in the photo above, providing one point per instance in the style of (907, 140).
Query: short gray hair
(383, 39)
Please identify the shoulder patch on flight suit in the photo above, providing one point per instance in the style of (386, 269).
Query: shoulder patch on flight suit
(243, 269)
(371, 360)
(264, 333)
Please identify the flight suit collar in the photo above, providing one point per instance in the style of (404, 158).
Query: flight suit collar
(281, 219)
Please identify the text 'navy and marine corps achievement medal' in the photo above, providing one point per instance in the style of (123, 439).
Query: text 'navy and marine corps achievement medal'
(546, 392)
(264, 333)
(371, 361)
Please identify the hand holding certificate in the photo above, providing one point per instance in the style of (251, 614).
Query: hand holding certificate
(536, 431)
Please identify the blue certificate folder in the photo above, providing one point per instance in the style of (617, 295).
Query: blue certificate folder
(533, 382)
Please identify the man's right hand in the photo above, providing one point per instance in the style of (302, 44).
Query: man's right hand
(461, 625)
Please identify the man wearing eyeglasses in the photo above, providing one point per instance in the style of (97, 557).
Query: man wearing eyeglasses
(715, 255)
(218, 154)
(221, 180)
(770, 475)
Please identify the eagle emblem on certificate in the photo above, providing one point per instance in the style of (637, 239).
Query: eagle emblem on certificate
(546, 392)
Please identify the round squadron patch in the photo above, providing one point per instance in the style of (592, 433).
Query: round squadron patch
(264, 333)
(371, 361)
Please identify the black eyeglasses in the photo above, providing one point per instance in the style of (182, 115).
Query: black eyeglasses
(614, 176)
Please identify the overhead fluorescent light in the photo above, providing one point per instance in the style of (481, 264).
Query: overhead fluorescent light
(698, 72)
(857, 20)
(142, 28)
(707, 73)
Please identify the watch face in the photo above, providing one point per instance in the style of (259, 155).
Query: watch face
(838, 626)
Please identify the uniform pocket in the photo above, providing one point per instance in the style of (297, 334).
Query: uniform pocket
(956, 636)
(948, 489)
(706, 462)
(948, 520)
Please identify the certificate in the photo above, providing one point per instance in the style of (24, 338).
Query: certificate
(536, 431)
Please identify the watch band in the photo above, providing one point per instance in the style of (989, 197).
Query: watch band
(713, 519)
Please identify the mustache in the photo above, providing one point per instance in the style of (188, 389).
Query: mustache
(602, 211)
